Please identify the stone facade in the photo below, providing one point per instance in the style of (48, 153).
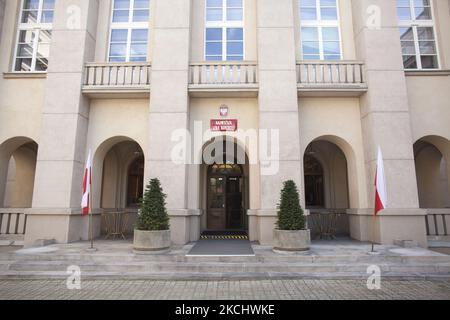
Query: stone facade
(49, 121)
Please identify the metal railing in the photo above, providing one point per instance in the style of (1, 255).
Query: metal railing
(329, 73)
(437, 222)
(13, 221)
(113, 74)
(328, 223)
(223, 73)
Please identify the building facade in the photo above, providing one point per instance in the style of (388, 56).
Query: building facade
(313, 87)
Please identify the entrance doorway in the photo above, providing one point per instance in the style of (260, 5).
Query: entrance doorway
(314, 186)
(225, 197)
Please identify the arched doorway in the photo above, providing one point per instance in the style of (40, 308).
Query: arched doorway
(326, 178)
(118, 184)
(226, 186)
(17, 171)
(326, 189)
(123, 176)
(432, 172)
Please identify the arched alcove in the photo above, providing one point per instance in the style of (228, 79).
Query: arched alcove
(18, 158)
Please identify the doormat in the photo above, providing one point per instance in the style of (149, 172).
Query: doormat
(222, 248)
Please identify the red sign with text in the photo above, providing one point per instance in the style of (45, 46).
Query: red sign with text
(224, 125)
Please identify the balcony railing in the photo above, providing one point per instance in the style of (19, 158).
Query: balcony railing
(223, 77)
(117, 78)
(345, 77)
(437, 222)
(13, 221)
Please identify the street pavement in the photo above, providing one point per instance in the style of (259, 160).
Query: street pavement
(300, 289)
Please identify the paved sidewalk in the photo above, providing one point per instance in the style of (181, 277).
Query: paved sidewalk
(226, 290)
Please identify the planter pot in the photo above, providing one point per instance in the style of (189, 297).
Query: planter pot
(286, 240)
(151, 241)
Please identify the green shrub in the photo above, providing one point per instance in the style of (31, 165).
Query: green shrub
(290, 213)
(153, 213)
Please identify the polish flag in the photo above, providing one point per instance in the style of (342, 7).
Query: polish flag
(87, 181)
(380, 185)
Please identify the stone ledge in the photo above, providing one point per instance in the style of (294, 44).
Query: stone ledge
(24, 75)
(58, 211)
(388, 212)
(184, 212)
(427, 73)
(268, 212)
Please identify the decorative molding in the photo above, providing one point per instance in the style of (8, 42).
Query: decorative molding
(428, 73)
(24, 75)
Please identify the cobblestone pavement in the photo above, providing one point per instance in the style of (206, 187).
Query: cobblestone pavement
(224, 290)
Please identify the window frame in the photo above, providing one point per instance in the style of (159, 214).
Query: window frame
(36, 27)
(320, 24)
(224, 24)
(129, 26)
(414, 24)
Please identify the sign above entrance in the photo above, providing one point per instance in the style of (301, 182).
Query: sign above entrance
(224, 125)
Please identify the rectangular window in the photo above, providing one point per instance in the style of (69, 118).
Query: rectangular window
(417, 36)
(224, 34)
(34, 36)
(129, 31)
(320, 32)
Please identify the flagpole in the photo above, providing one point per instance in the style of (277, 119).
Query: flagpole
(380, 194)
(373, 233)
(91, 233)
(90, 202)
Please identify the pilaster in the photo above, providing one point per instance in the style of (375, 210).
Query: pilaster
(56, 212)
(385, 120)
(278, 106)
(169, 107)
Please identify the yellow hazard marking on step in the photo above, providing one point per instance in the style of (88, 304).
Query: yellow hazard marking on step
(223, 237)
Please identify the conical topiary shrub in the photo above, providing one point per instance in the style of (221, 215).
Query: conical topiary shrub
(153, 213)
(290, 213)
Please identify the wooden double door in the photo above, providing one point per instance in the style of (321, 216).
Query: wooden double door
(225, 201)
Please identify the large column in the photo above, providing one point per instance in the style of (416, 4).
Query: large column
(56, 212)
(169, 110)
(385, 122)
(278, 107)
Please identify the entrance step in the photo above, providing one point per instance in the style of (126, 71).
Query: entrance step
(223, 272)
(188, 269)
(258, 258)
(194, 267)
(116, 260)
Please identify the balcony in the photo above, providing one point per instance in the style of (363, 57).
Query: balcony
(223, 79)
(336, 78)
(125, 80)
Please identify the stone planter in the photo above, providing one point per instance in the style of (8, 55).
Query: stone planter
(286, 240)
(148, 242)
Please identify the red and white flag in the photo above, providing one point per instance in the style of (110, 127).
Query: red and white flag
(380, 185)
(87, 181)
